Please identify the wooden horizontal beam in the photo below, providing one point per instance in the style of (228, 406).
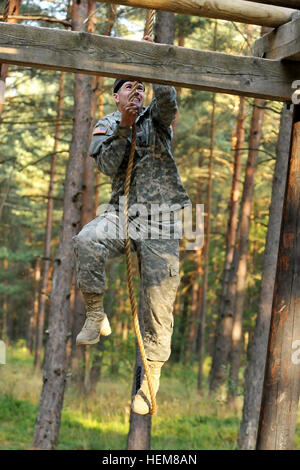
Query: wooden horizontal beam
(233, 10)
(86, 53)
(281, 43)
(281, 3)
(28, 17)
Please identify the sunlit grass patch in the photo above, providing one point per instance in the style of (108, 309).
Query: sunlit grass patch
(18, 354)
(190, 420)
(17, 377)
(101, 418)
(194, 432)
(17, 418)
(186, 419)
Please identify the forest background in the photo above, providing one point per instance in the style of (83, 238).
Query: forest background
(212, 135)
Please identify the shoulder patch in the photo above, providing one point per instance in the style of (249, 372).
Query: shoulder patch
(100, 130)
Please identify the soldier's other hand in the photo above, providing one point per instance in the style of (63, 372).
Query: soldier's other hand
(148, 38)
(129, 114)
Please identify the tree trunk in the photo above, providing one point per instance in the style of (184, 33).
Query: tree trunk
(139, 436)
(80, 369)
(33, 317)
(14, 7)
(98, 85)
(242, 249)
(257, 350)
(4, 335)
(196, 288)
(234, 197)
(92, 362)
(201, 331)
(165, 27)
(49, 415)
(201, 335)
(224, 325)
(47, 243)
(178, 90)
(89, 168)
(78, 353)
(196, 294)
(278, 416)
(216, 375)
(184, 326)
(100, 93)
(195, 308)
(88, 192)
(198, 301)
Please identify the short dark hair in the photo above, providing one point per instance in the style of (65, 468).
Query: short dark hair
(120, 81)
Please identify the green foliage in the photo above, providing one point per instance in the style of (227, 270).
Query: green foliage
(100, 421)
(185, 419)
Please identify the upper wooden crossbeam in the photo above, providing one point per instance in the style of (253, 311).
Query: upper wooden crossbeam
(281, 43)
(281, 3)
(232, 10)
(87, 53)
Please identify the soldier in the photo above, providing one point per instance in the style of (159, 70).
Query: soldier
(156, 186)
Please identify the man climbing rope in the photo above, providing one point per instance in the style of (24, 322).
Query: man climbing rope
(156, 185)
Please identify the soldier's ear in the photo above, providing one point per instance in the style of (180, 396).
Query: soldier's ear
(116, 98)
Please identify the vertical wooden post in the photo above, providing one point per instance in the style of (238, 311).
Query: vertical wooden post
(278, 414)
(139, 435)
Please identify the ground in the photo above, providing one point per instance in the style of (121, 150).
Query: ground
(185, 420)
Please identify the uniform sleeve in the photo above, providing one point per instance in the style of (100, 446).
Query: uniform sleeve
(164, 105)
(109, 149)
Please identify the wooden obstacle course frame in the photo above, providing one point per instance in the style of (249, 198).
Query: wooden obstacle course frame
(241, 11)
(80, 52)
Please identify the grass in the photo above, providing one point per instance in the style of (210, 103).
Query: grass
(185, 420)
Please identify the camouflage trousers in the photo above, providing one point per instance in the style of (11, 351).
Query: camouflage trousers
(158, 261)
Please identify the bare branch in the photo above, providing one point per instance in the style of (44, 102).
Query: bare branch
(49, 19)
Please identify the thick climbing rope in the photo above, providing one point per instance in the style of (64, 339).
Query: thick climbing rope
(134, 310)
(6, 11)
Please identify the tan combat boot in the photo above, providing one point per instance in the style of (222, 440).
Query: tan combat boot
(142, 401)
(96, 322)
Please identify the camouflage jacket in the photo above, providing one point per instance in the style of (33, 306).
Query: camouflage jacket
(155, 178)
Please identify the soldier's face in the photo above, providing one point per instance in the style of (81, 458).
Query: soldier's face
(122, 97)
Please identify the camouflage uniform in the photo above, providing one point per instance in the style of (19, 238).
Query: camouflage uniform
(155, 181)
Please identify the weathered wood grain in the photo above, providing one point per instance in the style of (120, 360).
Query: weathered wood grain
(282, 378)
(232, 10)
(281, 43)
(281, 3)
(80, 52)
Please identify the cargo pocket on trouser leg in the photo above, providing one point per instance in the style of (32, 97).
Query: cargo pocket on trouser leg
(174, 277)
(174, 281)
(160, 280)
(158, 316)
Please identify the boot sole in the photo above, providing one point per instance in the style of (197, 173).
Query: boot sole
(105, 332)
(87, 343)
